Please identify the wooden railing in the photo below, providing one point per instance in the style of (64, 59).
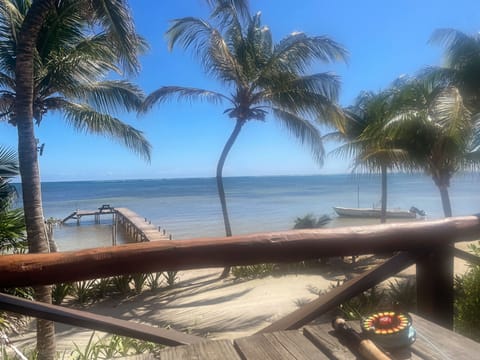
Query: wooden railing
(428, 244)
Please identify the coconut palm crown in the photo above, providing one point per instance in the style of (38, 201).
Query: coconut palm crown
(69, 68)
(461, 63)
(436, 129)
(261, 77)
(365, 139)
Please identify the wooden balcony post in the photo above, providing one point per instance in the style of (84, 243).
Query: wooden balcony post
(435, 285)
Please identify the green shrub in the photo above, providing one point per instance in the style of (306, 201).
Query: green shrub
(103, 287)
(84, 291)
(367, 302)
(253, 271)
(139, 282)
(112, 347)
(154, 280)
(60, 292)
(309, 221)
(403, 294)
(121, 284)
(170, 277)
(467, 300)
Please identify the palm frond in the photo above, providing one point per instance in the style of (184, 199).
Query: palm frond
(115, 16)
(296, 52)
(6, 81)
(84, 62)
(304, 131)
(460, 48)
(221, 63)
(222, 9)
(111, 96)
(12, 230)
(167, 93)
(450, 113)
(85, 119)
(189, 31)
(8, 163)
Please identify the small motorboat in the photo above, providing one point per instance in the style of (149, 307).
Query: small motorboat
(376, 213)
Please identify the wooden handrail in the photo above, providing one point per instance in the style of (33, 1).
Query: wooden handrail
(342, 293)
(471, 258)
(288, 246)
(94, 321)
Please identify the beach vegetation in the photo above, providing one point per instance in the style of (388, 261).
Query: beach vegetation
(12, 231)
(52, 65)
(154, 280)
(310, 221)
(83, 291)
(467, 299)
(139, 281)
(253, 271)
(61, 291)
(170, 277)
(121, 284)
(113, 346)
(262, 77)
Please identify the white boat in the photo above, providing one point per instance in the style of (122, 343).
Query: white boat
(374, 213)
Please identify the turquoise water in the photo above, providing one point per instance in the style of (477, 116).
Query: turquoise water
(189, 208)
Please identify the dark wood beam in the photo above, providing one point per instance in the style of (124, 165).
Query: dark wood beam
(288, 246)
(95, 322)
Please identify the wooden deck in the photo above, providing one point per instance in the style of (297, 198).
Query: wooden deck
(79, 214)
(320, 342)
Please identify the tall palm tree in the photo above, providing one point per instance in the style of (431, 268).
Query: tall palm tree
(436, 129)
(28, 29)
(365, 139)
(262, 77)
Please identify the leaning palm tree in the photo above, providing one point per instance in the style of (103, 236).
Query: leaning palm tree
(262, 78)
(52, 65)
(365, 140)
(436, 129)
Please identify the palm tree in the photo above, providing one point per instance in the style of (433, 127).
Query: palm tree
(261, 76)
(366, 141)
(30, 24)
(436, 129)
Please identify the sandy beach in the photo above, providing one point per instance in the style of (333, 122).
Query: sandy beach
(202, 304)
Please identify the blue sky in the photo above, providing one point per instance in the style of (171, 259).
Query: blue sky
(385, 39)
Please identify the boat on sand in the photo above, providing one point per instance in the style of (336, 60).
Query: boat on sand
(376, 213)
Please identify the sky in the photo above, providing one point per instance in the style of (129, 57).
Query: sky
(385, 40)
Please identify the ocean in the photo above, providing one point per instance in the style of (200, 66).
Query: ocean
(189, 208)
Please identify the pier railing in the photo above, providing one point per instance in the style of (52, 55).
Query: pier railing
(427, 244)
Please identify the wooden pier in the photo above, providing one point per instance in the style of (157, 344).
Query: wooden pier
(136, 227)
(139, 228)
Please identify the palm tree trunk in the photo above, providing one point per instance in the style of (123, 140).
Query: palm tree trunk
(447, 207)
(220, 188)
(28, 161)
(383, 214)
